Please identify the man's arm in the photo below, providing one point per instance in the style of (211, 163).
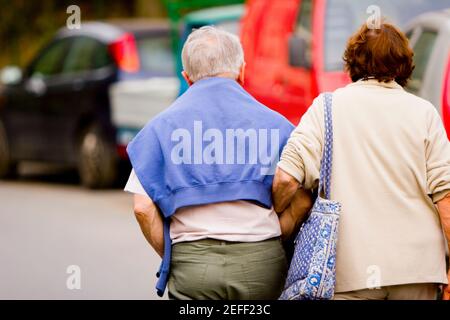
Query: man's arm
(290, 202)
(284, 188)
(150, 221)
(444, 213)
(295, 214)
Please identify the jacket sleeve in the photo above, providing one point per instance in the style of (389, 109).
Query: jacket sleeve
(437, 153)
(302, 154)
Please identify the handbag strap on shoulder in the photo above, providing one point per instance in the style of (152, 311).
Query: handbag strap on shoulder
(327, 156)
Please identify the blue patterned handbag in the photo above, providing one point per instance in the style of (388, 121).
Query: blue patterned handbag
(312, 273)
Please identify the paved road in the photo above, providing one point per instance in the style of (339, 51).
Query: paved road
(48, 222)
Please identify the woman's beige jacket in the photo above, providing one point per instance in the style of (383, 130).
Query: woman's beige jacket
(391, 163)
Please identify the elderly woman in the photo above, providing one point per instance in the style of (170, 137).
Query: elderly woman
(391, 167)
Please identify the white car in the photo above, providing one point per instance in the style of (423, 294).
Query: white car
(429, 36)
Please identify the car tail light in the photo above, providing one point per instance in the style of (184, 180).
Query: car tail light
(124, 52)
(122, 152)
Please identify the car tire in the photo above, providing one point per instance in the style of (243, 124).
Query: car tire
(8, 168)
(98, 161)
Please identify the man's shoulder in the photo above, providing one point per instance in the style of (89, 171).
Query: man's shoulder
(188, 106)
(275, 118)
(173, 111)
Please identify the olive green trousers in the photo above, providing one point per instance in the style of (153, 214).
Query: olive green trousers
(220, 270)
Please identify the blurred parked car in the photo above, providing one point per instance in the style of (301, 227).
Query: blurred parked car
(85, 95)
(430, 38)
(224, 17)
(294, 48)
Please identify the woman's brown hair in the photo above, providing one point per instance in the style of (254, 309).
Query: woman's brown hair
(383, 54)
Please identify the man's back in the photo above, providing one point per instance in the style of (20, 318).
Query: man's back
(216, 140)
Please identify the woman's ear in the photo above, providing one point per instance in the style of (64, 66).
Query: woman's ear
(186, 77)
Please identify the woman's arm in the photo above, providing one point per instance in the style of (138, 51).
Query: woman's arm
(300, 160)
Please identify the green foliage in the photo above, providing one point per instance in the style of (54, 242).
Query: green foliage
(178, 8)
(25, 25)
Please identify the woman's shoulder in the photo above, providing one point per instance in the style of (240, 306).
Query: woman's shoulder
(384, 93)
(419, 107)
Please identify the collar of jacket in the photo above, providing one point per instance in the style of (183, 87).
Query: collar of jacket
(374, 82)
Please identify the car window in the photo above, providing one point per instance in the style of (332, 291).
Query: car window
(50, 62)
(101, 57)
(409, 34)
(304, 20)
(344, 17)
(156, 55)
(422, 53)
(303, 28)
(86, 54)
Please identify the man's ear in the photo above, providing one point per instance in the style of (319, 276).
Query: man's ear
(186, 77)
(241, 76)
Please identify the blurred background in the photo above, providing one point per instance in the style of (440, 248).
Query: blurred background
(79, 79)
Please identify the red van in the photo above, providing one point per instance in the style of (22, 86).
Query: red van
(294, 48)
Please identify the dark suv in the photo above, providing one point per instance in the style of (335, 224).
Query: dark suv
(75, 101)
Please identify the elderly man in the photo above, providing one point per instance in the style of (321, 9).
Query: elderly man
(202, 176)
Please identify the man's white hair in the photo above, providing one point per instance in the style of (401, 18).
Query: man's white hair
(209, 51)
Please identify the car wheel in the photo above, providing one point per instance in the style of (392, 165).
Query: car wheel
(98, 163)
(7, 166)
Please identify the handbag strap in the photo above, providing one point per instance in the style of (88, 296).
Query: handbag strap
(327, 156)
